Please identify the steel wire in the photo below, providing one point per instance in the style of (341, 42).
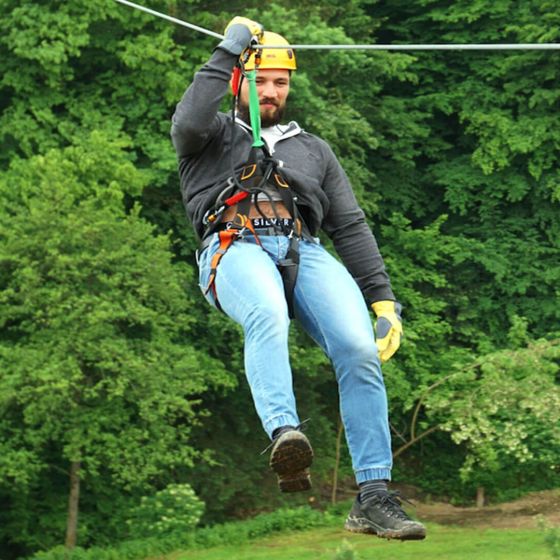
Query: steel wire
(417, 47)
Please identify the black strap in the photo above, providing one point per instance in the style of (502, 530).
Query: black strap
(288, 267)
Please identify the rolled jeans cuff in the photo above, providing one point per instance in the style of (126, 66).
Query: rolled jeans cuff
(373, 473)
(277, 422)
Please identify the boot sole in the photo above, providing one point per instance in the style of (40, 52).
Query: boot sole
(362, 525)
(290, 460)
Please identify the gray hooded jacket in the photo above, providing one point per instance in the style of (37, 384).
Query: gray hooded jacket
(202, 137)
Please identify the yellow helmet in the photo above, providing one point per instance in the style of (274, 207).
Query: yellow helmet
(277, 59)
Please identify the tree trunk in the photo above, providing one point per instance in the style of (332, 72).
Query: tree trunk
(337, 461)
(480, 496)
(73, 505)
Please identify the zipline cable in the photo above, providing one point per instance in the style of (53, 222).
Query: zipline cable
(419, 47)
(425, 47)
(172, 19)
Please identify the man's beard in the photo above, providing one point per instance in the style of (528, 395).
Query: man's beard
(268, 119)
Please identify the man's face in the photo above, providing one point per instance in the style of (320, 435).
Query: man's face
(273, 87)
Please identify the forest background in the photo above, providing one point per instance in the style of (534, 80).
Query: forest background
(117, 381)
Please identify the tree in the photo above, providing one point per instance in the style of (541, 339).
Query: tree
(502, 409)
(509, 410)
(94, 349)
(452, 155)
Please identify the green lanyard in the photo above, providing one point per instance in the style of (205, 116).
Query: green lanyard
(254, 109)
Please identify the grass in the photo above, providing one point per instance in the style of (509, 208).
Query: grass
(442, 543)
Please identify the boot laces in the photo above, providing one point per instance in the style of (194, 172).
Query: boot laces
(390, 503)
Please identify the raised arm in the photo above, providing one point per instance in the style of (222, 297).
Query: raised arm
(195, 120)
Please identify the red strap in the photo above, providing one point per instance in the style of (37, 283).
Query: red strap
(235, 79)
(236, 198)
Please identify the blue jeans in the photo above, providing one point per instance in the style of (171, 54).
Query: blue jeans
(330, 307)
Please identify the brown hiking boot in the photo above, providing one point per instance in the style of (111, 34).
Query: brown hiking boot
(290, 459)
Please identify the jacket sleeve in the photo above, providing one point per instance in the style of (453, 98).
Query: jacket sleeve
(353, 239)
(195, 121)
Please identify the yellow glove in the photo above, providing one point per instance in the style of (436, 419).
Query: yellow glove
(388, 329)
(239, 34)
(255, 28)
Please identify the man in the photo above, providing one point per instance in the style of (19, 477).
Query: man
(258, 213)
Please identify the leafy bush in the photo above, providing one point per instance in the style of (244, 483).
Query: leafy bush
(175, 509)
(228, 533)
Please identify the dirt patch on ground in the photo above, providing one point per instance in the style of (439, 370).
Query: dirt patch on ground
(522, 513)
(517, 514)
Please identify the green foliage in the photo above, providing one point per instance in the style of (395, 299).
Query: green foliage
(508, 434)
(346, 552)
(454, 543)
(551, 538)
(238, 533)
(94, 319)
(491, 409)
(109, 355)
(92, 311)
(175, 509)
(283, 519)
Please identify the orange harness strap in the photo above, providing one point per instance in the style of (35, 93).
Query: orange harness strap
(227, 237)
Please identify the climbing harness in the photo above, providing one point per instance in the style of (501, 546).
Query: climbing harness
(260, 178)
(260, 174)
